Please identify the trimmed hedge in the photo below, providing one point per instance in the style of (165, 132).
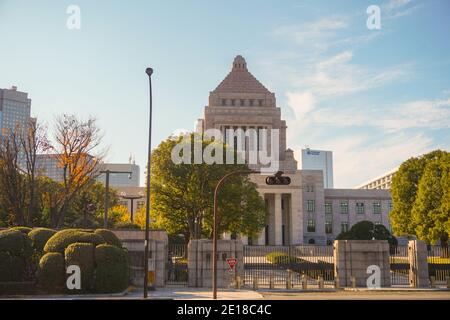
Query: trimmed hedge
(12, 268)
(51, 274)
(281, 258)
(109, 237)
(25, 230)
(112, 273)
(16, 243)
(62, 239)
(82, 255)
(39, 238)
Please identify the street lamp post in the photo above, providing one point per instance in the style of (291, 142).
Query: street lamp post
(149, 72)
(107, 173)
(131, 198)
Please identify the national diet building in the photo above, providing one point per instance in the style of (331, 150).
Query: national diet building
(303, 212)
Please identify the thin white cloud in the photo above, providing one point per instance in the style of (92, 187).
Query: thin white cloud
(313, 33)
(337, 75)
(431, 114)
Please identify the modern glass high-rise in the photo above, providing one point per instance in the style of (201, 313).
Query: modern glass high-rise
(15, 108)
(319, 160)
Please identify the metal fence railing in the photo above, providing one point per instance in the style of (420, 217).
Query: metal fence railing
(273, 265)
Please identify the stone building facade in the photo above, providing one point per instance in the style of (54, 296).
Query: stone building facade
(304, 211)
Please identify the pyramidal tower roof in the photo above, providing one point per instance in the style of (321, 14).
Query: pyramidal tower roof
(240, 80)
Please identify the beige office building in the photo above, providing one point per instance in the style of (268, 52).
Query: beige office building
(304, 211)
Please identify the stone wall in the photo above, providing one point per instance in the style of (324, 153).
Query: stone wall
(133, 240)
(200, 264)
(353, 257)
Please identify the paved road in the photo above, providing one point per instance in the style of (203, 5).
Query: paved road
(359, 295)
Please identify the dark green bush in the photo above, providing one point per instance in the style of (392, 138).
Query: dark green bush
(16, 243)
(82, 255)
(112, 273)
(39, 238)
(367, 230)
(51, 274)
(127, 225)
(25, 230)
(12, 268)
(109, 237)
(62, 239)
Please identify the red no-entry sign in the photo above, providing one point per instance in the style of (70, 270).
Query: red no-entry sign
(232, 262)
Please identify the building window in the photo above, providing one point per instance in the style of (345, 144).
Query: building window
(233, 102)
(360, 207)
(311, 241)
(328, 227)
(328, 208)
(260, 102)
(344, 207)
(224, 102)
(391, 206)
(309, 188)
(376, 207)
(310, 205)
(251, 102)
(311, 227)
(242, 102)
(344, 226)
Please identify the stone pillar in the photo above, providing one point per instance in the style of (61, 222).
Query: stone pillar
(278, 220)
(262, 237)
(244, 240)
(296, 219)
(418, 264)
(353, 257)
(200, 265)
(226, 236)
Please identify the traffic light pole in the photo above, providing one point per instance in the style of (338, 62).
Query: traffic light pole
(279, 180)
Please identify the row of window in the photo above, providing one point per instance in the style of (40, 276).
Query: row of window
(311, 226)
(360, 208)
(243, 102)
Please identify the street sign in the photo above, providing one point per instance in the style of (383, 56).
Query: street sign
(232, 262)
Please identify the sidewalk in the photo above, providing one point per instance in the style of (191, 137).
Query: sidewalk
(196, 294)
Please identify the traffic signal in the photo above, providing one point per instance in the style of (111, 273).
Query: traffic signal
(278, 179)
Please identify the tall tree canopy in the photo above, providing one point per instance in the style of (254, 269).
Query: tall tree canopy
(421, 197)
(182, 194)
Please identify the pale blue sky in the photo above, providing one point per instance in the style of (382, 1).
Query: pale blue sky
(373, 97)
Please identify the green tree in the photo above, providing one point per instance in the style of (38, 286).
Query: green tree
(182, 194)
(367, 230)
(430, 213)
(420, 195)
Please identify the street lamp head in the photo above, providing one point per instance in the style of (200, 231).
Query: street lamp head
(149, 71)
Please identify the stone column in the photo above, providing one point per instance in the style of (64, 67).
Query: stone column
(278, 220)
(296, 218)
(418, 264)
(262, 237)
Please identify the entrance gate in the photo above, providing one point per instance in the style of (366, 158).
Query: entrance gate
(399, 263)
(274, 264)
(177, 268)
(439, 264)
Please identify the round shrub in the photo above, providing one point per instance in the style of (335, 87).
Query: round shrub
(16, 243)
(109, 237)
(25, 230)
(12, 268)
(39, 237)
(82, 255)
(51, 273)
(62, 239)
(112, 272)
